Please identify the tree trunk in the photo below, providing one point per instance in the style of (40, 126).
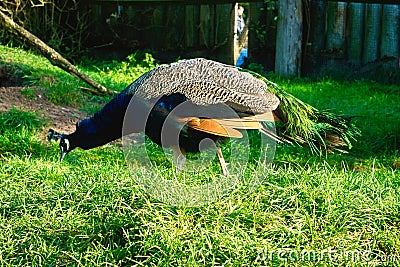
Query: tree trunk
(289, 38)
(53, 56)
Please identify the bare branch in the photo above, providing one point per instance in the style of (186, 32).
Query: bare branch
(53, 56)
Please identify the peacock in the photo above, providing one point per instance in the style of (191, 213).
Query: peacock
(208, 89)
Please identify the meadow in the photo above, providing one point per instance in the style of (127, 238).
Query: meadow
(329, 209)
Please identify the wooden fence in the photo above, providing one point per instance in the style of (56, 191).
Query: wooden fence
(360, 33)
(353, 35)
(348, 33)
(334, 37)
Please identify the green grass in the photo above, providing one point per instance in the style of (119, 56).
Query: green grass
(89, 210)
(61, 88)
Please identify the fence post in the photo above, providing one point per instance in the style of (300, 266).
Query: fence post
(289, 38)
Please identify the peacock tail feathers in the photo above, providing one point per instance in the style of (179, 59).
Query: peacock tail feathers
(306, 125)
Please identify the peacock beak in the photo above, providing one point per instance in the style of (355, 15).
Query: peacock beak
(64, 142)
(64, 148)
(62, 154)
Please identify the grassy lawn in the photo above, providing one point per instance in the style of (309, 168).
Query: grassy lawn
(310, 210)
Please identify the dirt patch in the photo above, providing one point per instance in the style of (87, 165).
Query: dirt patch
(61, 119)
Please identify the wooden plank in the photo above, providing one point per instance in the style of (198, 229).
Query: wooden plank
(205, 25)
(371, 32)
(96, 21)
(336, 28)
(173, 30)
(190, 26)
(156, 35)
(222, 23)
(317, 26)
(224, 33)
(212, 26)
(390, 31)
(289, 38)
(356, 29)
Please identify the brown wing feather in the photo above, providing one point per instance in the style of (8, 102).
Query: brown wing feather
(213, 127)
(248, 122)
(239, 124)
(226, 126)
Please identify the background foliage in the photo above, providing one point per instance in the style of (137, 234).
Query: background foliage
(62, 24)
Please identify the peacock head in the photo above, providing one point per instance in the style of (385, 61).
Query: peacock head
(65, 144)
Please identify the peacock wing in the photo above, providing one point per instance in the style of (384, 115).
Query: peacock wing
(206, 82)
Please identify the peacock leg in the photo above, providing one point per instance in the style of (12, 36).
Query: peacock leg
(222, 161)
(179, 158)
